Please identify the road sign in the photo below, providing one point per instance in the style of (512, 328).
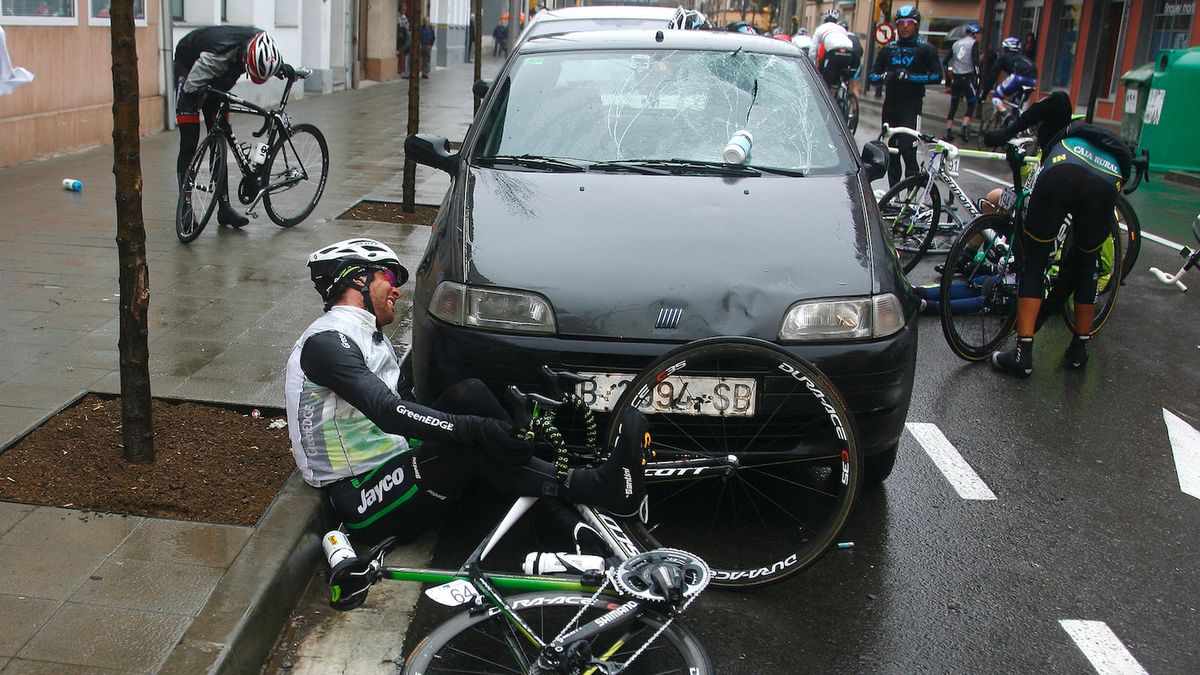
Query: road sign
(884, 34)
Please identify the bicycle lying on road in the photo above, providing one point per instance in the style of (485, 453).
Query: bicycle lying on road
(762, 507)
(287, 172)
(1193, 259)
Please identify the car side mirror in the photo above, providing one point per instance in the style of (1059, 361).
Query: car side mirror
(431, 150)
(875, 157)
(480, 88)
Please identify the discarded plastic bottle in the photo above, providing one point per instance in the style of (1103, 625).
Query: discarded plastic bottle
(72, 184)
(738, 148)
(337, 547)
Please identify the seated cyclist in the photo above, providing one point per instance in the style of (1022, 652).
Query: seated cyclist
(217, 56)
(1019, 70)
(389, 466)
(1084, 169)
(832, 51)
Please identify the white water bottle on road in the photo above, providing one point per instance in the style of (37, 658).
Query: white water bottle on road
(72, 184)
(738, 148)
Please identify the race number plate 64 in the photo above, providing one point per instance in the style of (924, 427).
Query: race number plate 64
(688, 395)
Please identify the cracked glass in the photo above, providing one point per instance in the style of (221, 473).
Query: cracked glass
(629, 105)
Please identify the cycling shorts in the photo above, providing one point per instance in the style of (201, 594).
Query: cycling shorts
(964, 86)
(189, 106)
(838, 65)
(1012, 85)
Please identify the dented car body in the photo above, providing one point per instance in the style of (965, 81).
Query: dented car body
(592, 223)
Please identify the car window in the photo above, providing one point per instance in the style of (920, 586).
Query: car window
(575, 25)
(660, 105)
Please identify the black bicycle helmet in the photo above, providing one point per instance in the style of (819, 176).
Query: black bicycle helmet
(908, 12)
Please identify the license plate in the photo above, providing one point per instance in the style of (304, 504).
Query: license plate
(687, 395)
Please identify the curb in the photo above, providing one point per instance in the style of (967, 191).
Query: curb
(1183, 178)
(239, 624)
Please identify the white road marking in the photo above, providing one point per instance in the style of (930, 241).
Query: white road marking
(1101, 647)
(985, 176)
(1161, 240)
(962, 477)
(1185, 445)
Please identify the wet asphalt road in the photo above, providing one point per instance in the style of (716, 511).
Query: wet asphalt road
(1088, 521)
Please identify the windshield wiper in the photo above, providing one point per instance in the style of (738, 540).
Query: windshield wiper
(779, 171)
(633, 167)
(680, 166)
(533, 162)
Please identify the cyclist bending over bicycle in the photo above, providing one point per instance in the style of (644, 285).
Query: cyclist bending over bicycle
(217, 56)
(1084, 169)
(351, 430)
(1020, 72)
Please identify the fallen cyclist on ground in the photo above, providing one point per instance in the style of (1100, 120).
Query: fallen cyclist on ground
(389, 466)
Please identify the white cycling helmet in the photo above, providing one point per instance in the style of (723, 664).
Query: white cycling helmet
(687, 19)
(832, 14)
(263, 58)
(337, 265)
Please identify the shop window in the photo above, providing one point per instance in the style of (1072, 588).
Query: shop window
(98, 12)
(1068, 38)
(61, 12)
(1170, 26)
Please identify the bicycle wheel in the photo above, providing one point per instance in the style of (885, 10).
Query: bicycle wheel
(1109, 283)
(791, 465)
(948, 231)
(486, 642)
(204, 178)
(909, 212)
(1131, 235)
(982, 255)
(852, 112)
(988, 120)
(297, 168)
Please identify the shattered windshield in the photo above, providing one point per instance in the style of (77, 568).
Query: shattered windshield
(622, 106)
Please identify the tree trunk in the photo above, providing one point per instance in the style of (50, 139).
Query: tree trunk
(414, 106)
(136, 428)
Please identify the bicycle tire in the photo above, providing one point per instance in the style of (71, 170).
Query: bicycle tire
(988, 120)
(298, 150)
(974, 336)
(205, 176)
(911, 225)
(1131, 235)
(1109, 287)
(852, 112)
(795, 465)
(485, 641)
(948, 231)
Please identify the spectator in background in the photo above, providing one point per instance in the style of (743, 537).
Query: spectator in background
(1029, 47)
(403, 39)
(500, 40)
(428, 38)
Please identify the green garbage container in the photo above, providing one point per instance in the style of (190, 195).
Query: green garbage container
(1169, 129)
(1137, 90)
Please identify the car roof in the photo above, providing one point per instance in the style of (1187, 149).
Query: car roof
(605, 12)
(700, 40)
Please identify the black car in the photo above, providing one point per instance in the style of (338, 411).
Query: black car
(593, 223)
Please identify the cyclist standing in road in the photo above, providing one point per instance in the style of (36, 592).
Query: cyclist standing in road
(962, 70)
(832, 51)
(354, 437)
(1084, 168)
(906, 65)
(1021, 72)
(856, 50)
(217, 56)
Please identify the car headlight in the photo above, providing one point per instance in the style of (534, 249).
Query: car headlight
(846, 319)
(492, 308)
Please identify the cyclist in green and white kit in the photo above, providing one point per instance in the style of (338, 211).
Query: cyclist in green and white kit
(355, 438)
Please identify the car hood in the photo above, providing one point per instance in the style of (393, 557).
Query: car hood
(611, 251)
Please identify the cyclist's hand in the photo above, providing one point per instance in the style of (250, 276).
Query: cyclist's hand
(286, 72)
(495, 438)
(902, 75)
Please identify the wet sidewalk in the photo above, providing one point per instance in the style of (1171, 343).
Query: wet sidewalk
(87, 592)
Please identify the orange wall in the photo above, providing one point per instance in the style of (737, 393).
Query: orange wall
(68, 106)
